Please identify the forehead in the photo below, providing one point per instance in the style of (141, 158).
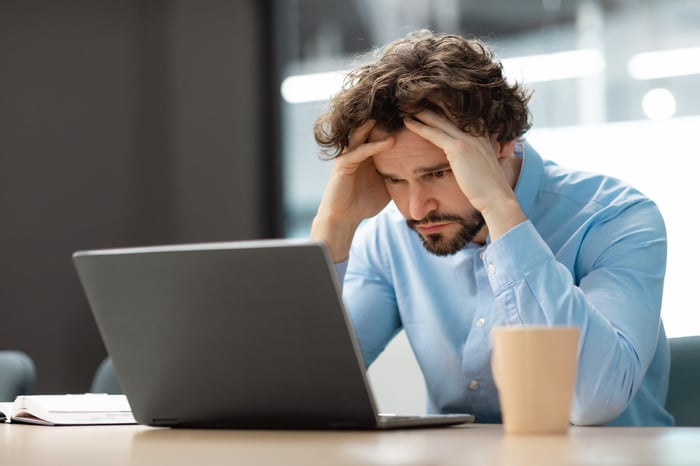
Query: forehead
(410, 152)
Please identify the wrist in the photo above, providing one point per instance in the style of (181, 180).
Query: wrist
(336, 235)
(502, 218)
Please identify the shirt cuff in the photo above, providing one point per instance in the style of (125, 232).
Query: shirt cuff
(340, 269)
(513, 255)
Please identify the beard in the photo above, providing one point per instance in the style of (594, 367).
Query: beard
(442, 245)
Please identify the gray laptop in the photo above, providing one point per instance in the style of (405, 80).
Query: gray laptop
(238, 335)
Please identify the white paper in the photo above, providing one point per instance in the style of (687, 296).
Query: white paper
(83, 409)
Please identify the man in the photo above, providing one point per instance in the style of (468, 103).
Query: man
(444, 222)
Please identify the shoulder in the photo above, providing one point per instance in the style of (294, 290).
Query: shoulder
(565, 204)
(590, 192)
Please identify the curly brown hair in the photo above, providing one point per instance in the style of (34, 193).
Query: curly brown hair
(442, 72)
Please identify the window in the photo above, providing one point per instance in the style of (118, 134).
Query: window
(619, 78)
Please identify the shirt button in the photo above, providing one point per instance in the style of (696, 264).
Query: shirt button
(491, 269)
(473, 385)
(481, 322)
(481, 255)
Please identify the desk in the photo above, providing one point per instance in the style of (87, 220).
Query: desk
(25, 445)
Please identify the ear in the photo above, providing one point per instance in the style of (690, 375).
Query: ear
(506, 149)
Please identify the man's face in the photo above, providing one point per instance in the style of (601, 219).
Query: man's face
(421, 184)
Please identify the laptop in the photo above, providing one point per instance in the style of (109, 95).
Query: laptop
(247, 334)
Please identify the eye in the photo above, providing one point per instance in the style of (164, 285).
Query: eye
(440, 173)
(392, 180)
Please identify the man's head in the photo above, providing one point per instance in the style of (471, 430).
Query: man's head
(452, 76)
(441, 72)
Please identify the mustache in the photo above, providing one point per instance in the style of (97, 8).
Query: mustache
(434, 217)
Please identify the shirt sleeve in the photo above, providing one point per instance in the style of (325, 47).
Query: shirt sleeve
(370, 298)
(613, 293)
(340, 269)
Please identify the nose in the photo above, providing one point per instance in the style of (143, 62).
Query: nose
(420, 202)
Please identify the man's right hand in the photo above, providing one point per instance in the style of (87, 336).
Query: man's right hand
(355, 191)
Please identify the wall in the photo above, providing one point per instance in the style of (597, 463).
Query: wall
(121, 123)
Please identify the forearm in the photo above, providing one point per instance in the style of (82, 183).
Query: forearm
(506, 215)
(337, 236)
(368, 293)
(610, 366)
(616, 307)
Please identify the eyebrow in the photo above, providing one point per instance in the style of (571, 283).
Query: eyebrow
(420, 170)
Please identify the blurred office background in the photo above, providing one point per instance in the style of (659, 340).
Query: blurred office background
(128, 122)
(123, 122)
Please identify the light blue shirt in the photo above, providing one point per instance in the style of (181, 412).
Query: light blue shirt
(592, 254)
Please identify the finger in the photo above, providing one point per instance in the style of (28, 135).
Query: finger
(360, 134)
(451, 145)
(440, 121)
(432, 134)
(364, 151)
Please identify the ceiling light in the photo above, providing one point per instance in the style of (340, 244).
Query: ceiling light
(659, 104)
(554, 66)
(533, 68)
(665, 63)
(312, 87)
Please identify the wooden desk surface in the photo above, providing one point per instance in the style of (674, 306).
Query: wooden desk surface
(22, 445)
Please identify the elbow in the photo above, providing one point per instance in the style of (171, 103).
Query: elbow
(607, 383)
(591, 414)
(602, 404)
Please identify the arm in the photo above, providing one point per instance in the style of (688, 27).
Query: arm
(369, 296)
(613, 294)
(355, 192)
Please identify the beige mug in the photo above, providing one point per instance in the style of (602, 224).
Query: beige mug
(534, 368)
